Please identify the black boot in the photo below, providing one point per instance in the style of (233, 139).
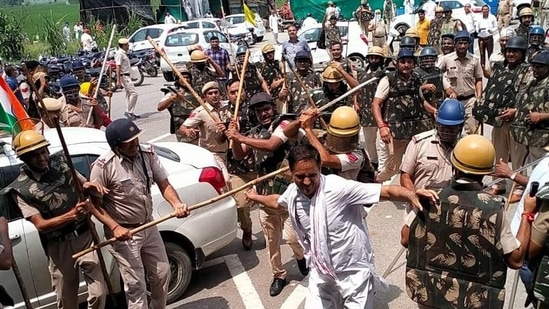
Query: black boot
(277, 286)
(302, 264)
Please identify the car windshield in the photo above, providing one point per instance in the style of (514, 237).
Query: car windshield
(166, 153)
(478, 2)
(181, 39)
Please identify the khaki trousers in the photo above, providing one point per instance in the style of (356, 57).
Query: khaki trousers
(370, 135)
(145, 252)
(221, 158)
(65, 272)
(131, 93)
(276, 225)
(243, 206)
(471, 124)
(389, 161)
(505, 147)
(504, 20)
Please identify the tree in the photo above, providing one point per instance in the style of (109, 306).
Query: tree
(11, 37)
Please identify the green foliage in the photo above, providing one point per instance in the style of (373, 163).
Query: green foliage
(51, 32)
(134, 22)
(11, 38)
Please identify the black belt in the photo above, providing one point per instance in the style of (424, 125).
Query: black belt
(60, 236)
(125, 74)
(379, 37)
(133, 225)
(465, 97)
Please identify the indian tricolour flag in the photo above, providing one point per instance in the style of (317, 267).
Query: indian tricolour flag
(11, 110)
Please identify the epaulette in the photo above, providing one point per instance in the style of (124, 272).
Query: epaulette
(102, 160)
(147, 148)
(423, 135)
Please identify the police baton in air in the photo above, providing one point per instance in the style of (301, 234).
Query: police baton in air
(193, 207)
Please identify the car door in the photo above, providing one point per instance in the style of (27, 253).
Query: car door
(311, 36)
(138, 40)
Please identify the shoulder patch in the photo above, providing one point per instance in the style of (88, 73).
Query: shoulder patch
(423, 135)
(352, 157)
(284, 124)
(147, 148)
(102, 160)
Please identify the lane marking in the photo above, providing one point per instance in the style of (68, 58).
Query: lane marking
(159, 138)
(243, 283)
(297, 296)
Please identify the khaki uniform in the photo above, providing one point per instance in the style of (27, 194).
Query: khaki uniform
(332, 35)
(209, 138)
(379, 34)
(62, 243)
(123, 61)
(463, 75)
(504, 13)
(130, 204)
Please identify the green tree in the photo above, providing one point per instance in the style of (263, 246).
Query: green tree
(11, 38)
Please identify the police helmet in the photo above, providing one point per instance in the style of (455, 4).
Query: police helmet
(343, 130)
(451, 113)
(331, 75)
(121, 131)
(241, 50)
(68, 81)
(260, 97)
(376, 51)
(463, 34)
(450, 36)
(541, 58)
(428, 56)
(75, 65)
(27, 141)
(198, 56)
(302, 55)
(516, 42)
(267, 48)
(537, 30)
(526, 12)
(408, 41)
(474, 154)
(405, 53)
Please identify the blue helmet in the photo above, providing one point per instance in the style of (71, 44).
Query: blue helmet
(463, 34)
(406, 53)
(121, 131)
(451, 113)
(68, 81)
(77, 65)
(537, 30)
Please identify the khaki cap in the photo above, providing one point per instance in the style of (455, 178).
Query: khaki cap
(210, 85)
(267, 48)
(123, 41)
(52, 105)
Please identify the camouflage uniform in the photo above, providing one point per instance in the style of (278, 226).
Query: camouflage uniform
(53, 195)
(434, 77)
(433, 38)
(388, 12)
(345, 63)
(298, 98)
(523, 31)
(456, 251)
(367, 122)
(252, 79)
(364, 16)
(449, 26)
(180, 110)
(201, 77)
(270, 71)
(332, 35)
(539, 236)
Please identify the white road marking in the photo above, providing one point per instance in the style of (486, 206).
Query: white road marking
(156, 139)
(297, 296)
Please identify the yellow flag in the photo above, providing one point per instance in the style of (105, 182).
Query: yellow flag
(249, 15)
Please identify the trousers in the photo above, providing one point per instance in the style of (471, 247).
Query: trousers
(131, 93)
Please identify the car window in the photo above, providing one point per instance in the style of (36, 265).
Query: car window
(478, 3)
(208, 25)
(209, 34)
(181, 39)
(343, 30)
(166, 153)
(237, 20)
(193, 25)
(8, 206)
(154, 33)
(310, 35)
(82, 164)
(140, 35)
(221, 36)
(452, 4)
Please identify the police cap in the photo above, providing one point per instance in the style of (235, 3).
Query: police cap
(121, 131)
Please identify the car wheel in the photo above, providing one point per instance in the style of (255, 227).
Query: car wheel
(402, 28)
(138, 80)
(180, 271)
(168, 76)
(357, 61)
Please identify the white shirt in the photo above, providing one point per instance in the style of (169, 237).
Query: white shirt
(350, 164)
(121, 59)
(430, 8)
(486, 26)
(87, 42)
(309, 21)
(408, 6)
(273, 23)
(469, 22)
(330, 11)
(169, 20)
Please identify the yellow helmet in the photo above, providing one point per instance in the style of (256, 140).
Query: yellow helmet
(439, 9)
(52, 105)
(38, 75)
(27, 141)
(376, 51)
(526, 12)
(267, 48)
(343, 130)
(85, 88)
(198, 56)
(331, 75)
(474, 154)
(412, 32)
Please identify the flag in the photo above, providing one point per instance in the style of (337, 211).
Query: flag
(11, 110)
(249, 14)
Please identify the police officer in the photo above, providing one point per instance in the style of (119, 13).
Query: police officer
(252, 79)
(530, 127)
(211, 136)
(458, 252)
(180, 103)
(364, 15)
(447, 45)
(449, 24)
(498, 56)
(335, 82)
(399, 112)
(536, 40)
(203, 70)
(526, 18)
(505, 13)
(296, 96)
(271, 70)
(379, 31)
(128, 170)
(435, 86)
(465, 74)
(46, 194)
(414, 34)
(426, 162)
(332, 31)
(363, 101)
(433, 38)
(269, 146)
(123, 78)
(497, 105)
(409, 43)
(337, 57)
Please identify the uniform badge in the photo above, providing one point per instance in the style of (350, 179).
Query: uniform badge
(352, 157)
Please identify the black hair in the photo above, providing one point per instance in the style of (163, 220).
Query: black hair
(232, 81)
(214, 38)
(421, 11)
(9, 70)
(303, 152)
(332, 43)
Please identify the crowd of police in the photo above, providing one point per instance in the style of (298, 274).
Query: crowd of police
(421, 113)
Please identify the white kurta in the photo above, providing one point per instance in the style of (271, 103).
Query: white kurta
(347, 240)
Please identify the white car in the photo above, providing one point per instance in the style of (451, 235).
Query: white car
(350, 32)
(401, 23)
(240, 21)
(236, 33)
(138, 40)
(192, 171)
(176, 43)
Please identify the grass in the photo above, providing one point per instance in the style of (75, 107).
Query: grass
(32, 16)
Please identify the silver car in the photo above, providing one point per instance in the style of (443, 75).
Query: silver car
(192, 171)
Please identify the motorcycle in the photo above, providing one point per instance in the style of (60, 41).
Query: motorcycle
(147, 64)
(136, 74)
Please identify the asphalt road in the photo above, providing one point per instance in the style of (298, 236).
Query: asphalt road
(234, 278)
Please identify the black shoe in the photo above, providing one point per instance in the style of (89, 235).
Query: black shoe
(130, 116)
(277, 286)
(302, 264)
(136, 116)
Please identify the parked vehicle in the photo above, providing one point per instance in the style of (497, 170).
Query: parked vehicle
(138, 40)
(192, 171)
(258, 31)
(237, 34)
(350, 32)
(147, 64)
(136, 74)
(176, 43)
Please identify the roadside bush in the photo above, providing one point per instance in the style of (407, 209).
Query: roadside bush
(52, 34)
(11, 38)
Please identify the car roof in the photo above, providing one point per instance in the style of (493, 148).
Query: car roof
(161, 26)
(193, 30)
(72, 135)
